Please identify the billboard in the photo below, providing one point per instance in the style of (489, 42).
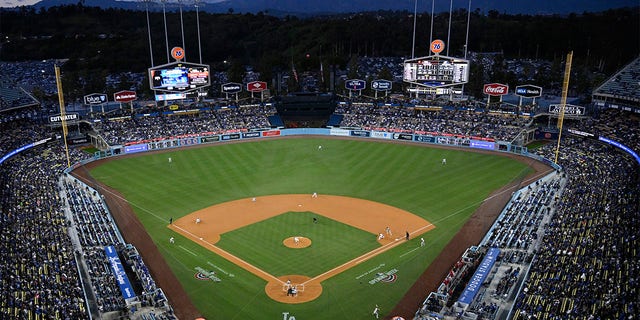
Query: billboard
(495, 89)
(569, 109)
(124, 96)
(67, 117)
(436, 71)
(231, 87)
(355, 84)
(381, 85)
(528, 91)
(256, 86)
(95, 98)
(179, 76)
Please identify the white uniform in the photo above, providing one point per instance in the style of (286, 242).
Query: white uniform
(172, 240)
(444, 161)
(197, 220)
(422, 242)
(314, 195)
(380, 236)
(376, 312)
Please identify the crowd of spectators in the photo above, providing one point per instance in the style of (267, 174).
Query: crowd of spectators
(204, 121)
(457, 119)
(615, 124)
(588, 266)
(516, 233)
(95, 229)
(625, 83)
(51, 230)
(12, 96)
(38, 270)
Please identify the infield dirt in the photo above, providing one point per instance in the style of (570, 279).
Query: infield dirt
(205, 227)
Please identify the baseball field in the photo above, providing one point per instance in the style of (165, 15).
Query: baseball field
(238, 224)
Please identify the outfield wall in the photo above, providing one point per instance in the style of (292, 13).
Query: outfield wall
(450, 140)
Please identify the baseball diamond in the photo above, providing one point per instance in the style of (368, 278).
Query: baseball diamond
(366, 215)
(331, 288)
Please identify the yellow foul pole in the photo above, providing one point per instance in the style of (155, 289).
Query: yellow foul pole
(563, 100)
(63, 117)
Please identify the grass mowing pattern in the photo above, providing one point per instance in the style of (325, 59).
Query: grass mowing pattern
(332, 244)
(402, 175)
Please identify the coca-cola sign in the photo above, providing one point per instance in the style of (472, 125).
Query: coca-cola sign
(495, 89)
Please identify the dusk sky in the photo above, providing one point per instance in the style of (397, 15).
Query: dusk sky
(546, 6)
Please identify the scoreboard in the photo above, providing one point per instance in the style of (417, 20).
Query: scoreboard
(436, 71)
(179, 77)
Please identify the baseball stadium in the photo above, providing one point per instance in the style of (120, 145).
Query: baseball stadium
(409, 204)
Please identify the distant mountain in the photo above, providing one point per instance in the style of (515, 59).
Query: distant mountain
(315, 7)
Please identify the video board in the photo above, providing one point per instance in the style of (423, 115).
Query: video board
(179, 77)
(436, 71)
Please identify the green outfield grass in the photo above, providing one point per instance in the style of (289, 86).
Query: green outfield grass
(406, 176)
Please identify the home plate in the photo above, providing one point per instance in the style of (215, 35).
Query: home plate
(299, 205)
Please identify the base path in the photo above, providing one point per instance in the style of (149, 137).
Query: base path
(205, 227)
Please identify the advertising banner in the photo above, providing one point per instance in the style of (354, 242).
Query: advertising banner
(232, 136)
(403, 136)
(528, 91)
(231, 87)
(381, 135)
(495, 89)
(478, 277)
(118, 271)
(67, 117)
(355, 84)
(124, 96)
(95, 98)
(428, 139)
(251, 135)
(210, 139)
(272, 133)
(339, 132)
(479, 144)
(360, 133)
(136, 148)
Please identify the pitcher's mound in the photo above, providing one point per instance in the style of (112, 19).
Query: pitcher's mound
(302, 242)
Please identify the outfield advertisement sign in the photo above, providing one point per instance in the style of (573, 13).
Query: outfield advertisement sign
(210, 139)
(403, 136)
(339, 132)
(118, 271)
(479, 144)
(251, 135)
(381, 135)
(273, 133)
(478, 277)
(233, 136)
(360, 133)
(428, 139)
(136, 148)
